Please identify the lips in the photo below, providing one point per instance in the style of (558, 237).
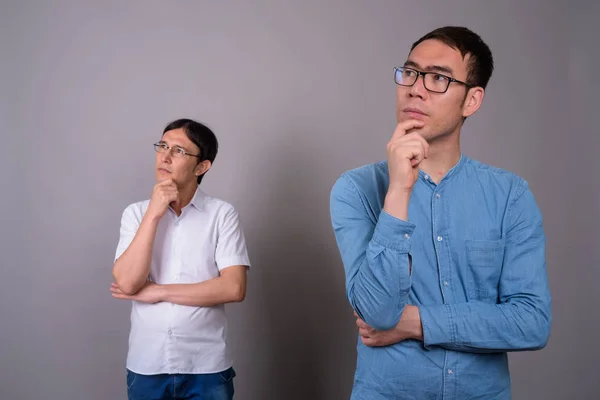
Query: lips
(163, 170)
(414, 112)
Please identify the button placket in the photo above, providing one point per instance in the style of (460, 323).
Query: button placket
(438, 227)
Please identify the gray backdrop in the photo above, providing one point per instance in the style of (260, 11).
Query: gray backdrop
(297, 92)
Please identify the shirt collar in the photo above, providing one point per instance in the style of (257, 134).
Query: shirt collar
(452, 171)
(198, 199)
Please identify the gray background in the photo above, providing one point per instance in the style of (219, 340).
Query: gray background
(297, 92)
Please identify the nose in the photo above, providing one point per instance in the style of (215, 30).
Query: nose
(166, 157)
(418, 89)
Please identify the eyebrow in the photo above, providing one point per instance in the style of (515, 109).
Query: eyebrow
(429, 68)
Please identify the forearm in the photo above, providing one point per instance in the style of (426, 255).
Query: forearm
(204, 294)
(481, 327)
(379, 291)
(374, 250)
(132, 268)
(396, 203)
(375, 294)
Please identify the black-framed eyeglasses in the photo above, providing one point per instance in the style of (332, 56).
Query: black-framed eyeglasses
(176, 151)
(433, 81)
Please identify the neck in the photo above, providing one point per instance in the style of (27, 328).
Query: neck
(186, 193)
(444, 153)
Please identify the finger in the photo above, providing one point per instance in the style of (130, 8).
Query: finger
(361, 324)
(113, 284)
(115, 290)
(416, 160)
(364, 332)
(168, 198)
(404, 126)
(413, 152)
(168, 189)
(415, 137)
(368, 341)
(163, 183)
(420, 139)
(408, 149)
(169, 195)
(174, 195)
(122, 296)
(367, 330)
(355, 314)
(420, 156)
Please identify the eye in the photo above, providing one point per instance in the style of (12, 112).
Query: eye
(408, 73)
(440, 78)
(163, 146)
(179, 151)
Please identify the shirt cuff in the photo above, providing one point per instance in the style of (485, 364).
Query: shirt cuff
(393, 233)
(437, 322)
(231, 261)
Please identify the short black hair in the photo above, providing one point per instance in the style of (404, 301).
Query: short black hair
(481, 62)
(200, 135)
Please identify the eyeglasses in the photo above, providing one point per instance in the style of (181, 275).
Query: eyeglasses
(433, 81)
(175, 151)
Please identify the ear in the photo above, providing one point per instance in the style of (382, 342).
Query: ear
(473, 101)
(202, 168)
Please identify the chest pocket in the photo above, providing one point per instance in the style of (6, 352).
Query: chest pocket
(484, 260)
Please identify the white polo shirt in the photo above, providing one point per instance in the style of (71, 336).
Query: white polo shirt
(194, 247)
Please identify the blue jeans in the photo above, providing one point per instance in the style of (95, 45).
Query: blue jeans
(217, 386)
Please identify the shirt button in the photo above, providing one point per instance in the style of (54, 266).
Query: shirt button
(406, 236)
(445, 283)
(439, 238)
(174, 277)
(426, 177)
(169, 332)
(450, 372)
(437, 196)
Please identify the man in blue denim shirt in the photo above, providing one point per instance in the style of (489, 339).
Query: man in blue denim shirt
(444, 256)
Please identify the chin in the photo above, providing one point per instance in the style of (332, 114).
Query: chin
(161, 178)
(433, 136)
(162, 175)
(428, 136)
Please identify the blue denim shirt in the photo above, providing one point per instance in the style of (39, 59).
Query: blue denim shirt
(477, 272)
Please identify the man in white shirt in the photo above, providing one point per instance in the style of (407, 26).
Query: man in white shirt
(181, 256)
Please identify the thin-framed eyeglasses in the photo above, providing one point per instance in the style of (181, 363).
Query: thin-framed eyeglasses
(176, 151)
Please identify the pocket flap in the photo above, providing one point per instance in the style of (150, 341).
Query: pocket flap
(485, 252)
